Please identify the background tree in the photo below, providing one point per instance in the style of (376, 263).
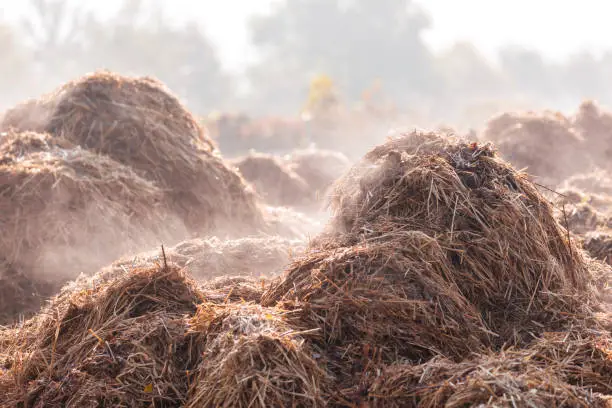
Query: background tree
(354, 42)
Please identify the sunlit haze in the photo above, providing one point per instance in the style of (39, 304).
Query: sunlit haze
(556, 29)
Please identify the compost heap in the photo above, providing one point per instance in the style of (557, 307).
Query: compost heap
(64, 211)
(595, 127)
(318, 167)
(443, 279)
(139, 123)
(545, 144)
(273, 180)
(438, 248)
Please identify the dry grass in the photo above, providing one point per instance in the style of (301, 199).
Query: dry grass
(63, 196)
(252, 358)
(442, 279)
(390, 294)
(66, 211)
(150, 336)
(506, 253)
(120, 344)
(436, 248)
(571, 369)
(138, 122)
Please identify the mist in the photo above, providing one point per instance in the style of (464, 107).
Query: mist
(373, 51)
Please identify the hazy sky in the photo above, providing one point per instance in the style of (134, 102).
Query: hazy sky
(555, 28)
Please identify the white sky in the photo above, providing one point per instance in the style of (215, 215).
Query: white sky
(557, 28)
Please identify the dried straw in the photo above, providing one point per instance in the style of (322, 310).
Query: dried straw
(66, 211)
(509, 256)
(139, 123)
(120, 344)
(391, 294)
(561, 370)
(252, 358)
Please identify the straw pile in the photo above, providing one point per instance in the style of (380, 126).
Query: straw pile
(436, 247)
(443, 279)
(120, 344)
(252, 358)
(595, 126)
(151, 337)
(275, 182)
(545, 144)
(139, 123)
(561, 370)
(320, 168)
(65, 211)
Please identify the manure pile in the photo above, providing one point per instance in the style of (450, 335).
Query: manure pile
(299, 180)
(273, 179)
(139, 123)
(442, 279)
(106, 166)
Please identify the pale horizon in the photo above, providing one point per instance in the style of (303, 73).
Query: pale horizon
(556, 30)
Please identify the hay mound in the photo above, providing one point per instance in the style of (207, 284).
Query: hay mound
(544, 143)
(150, 336)
(390, 294)
(320, 168)
(437, 246)
(139, 123)
(253, 358)
(509, 253)
(63, 212)
(273, 180)
(562, 369)
(595, 126)
(119, 344)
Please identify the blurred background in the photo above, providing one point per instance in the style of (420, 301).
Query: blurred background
(429, 63)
